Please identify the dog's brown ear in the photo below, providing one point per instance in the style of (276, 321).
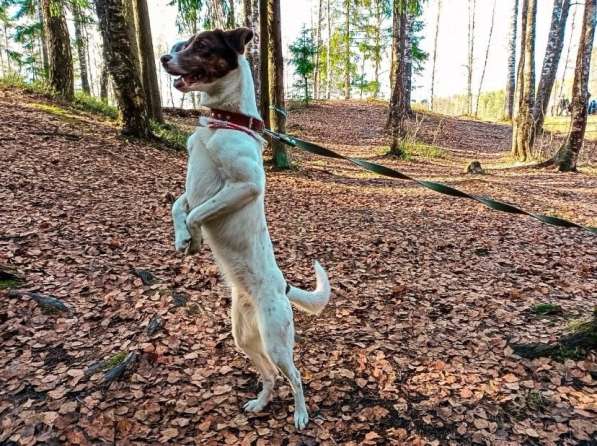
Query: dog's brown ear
(238, 38)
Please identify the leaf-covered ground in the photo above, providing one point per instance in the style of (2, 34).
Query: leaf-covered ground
(428, 293)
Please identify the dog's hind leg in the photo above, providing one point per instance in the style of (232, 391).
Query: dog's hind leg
(247, 338)
(277, 331)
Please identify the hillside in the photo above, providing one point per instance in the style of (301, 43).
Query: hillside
(428, 291)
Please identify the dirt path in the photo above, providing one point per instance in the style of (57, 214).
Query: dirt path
(413, 348)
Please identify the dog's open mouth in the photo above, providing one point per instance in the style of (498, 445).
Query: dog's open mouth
(186, 80)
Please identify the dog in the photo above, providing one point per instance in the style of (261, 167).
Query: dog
(223, 204)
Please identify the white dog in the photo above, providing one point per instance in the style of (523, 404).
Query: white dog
(223, 204)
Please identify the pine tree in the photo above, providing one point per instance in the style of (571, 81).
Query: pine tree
(303, 50)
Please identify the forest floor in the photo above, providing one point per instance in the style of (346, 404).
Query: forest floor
(414, 348)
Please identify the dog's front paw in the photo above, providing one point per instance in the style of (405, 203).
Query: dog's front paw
(182, 240)
(301, 419)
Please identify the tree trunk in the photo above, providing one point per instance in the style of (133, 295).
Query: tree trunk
(59, 54)
(231, 19)
(511, 81)
(264, 62)
(395, 42)
(276, 88)
(251, 13)
(486, 57)
(44, 43)
(328, 56)
(523, 132)
(316, 76)
(398, 112)
(377, 42)
(439, 10)
(567, 156)
(572, 27)
(123, 68)
(147, 61)
(81, 45)
(408, 62)
(555, 43)
(347, 50)
(472, 9)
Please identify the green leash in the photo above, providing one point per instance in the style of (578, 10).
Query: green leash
(437, 187)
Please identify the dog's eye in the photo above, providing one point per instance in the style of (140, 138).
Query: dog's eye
(199, 44)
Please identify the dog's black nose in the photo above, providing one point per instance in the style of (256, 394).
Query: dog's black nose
(166, 58)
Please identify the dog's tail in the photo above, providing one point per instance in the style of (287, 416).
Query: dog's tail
(312, 302)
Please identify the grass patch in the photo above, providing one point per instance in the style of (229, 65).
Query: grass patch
(6, 284)
(91, 104)
(547, 309)
(114, 360)
(410, 150)
(171, 135)
(40, 87)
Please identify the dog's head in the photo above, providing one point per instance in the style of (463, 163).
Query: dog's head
(205, 58)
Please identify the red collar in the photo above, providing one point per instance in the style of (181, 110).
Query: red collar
(240, 119)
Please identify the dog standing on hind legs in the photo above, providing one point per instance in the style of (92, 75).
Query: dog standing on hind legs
(223, 203)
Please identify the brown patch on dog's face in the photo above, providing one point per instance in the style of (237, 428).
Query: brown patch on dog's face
(206, 57)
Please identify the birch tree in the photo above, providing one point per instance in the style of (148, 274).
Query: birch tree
(555, 43)
(347, 54)
(472, 7)
(317, 74)
(523, 132)
(486, 57)
(511, 80)
(328, 52)
(436, 35)
(566, 158)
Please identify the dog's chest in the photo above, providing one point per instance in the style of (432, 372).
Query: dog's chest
(203, 175)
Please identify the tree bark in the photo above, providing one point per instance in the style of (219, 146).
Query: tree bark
(398, 112)
(276, 88)
(347, 50)
(328, 56)
(486, 57)
(572, 28)
(555, 43)
(472, 8)
(523, 132)
(60, 59)
(316, 76)
(81, 45)
(408, 62)
(147, 62)
(128, 87)
(377, 42)
(567, 156)
(439, 10)
(43, 42)
(251, 20)
(264, 62)
(511, 80)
